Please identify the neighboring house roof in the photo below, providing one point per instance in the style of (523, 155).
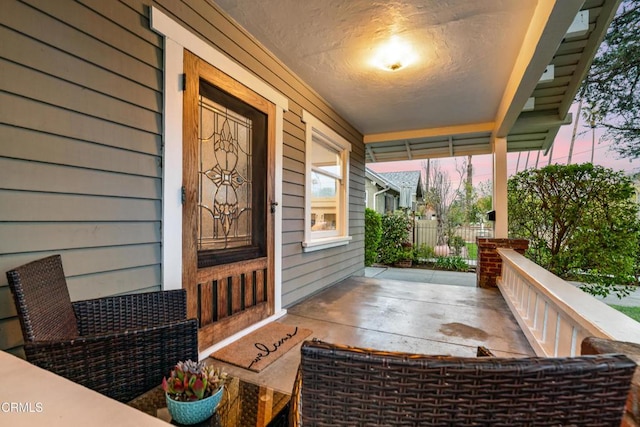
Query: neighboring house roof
(410, 185)
(380, 180)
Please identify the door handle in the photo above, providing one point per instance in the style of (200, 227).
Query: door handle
(273, 207)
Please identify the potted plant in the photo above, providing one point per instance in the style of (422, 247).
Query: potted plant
(405, 255)
(193, 391)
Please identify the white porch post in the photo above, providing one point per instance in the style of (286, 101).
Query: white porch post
(500, 187)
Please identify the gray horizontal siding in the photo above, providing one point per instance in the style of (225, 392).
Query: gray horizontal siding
(35, 145)
(80, 148)
(90, 46)
(45, 88)
(69, 67)
(17, 237)
(31, 114)
(15, 174)
(44, 207)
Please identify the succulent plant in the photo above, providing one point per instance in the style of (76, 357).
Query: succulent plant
(191, 381)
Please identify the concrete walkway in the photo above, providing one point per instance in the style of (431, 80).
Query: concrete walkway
(435, 277)
(468, 279)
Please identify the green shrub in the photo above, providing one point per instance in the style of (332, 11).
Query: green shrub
(457, 243)
(372, 235)
(424, 252)
(395, 235)
(453, 263)
(407, 252)
(582, 224)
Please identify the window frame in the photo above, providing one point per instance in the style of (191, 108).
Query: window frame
(319, 132)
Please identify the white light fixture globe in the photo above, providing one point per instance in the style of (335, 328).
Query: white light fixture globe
(394, 55)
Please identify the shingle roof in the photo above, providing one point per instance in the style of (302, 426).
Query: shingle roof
(409, 183)
(403, 179)
(383, 182)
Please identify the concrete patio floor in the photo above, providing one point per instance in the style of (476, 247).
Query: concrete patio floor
(398, 315)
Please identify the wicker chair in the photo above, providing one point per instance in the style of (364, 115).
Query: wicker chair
(119, 346)
(347, 386)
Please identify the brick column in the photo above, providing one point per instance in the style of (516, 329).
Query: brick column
(489, 262)
(593, 345)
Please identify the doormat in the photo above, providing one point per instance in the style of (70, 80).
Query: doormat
(262, 347)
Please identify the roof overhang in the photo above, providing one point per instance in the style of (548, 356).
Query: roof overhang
(490, 69)
(526, 129)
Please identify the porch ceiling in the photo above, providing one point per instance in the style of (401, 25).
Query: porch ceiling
(478, 64)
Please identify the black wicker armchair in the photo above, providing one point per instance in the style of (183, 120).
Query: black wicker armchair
(119, 346)
(347, 386)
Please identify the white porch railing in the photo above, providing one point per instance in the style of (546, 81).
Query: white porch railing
(554, 315)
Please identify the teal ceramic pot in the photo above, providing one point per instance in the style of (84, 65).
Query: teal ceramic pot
(196, 411)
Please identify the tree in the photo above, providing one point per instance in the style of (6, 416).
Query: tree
(581, 221)
(612, 86)
(484, 200)
(440, 195)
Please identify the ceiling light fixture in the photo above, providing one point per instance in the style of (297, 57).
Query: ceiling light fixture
(394, 55)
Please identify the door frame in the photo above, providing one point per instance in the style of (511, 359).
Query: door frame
(176, 39)
(198, 279)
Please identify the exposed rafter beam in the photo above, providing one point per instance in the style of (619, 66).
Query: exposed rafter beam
(450, 146)
(550, 22)
(406, 145)
(606, 16)
(548, 141)
(429, 132)
(435, 153)
(535, 121)
(373, 156)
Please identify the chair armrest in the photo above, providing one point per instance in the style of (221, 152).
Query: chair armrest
(295, 414)
(123, 365)
(124, 312)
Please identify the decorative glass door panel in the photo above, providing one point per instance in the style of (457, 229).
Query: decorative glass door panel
(224, 219)
(232, 141)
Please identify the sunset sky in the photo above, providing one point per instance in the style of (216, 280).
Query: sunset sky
(482, 165)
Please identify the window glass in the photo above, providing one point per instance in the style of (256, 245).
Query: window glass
(327, 159)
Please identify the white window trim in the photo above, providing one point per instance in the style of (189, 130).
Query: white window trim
(315, 241)
(176, 39)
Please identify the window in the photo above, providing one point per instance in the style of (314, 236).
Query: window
(327, 186)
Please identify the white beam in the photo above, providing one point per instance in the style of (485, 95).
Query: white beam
(429, 132)
(501, 229)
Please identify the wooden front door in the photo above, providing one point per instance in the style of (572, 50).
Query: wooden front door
(228, 178)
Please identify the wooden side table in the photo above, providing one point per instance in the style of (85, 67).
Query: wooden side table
(244, 404)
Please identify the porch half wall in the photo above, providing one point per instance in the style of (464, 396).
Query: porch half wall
(81, 101)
